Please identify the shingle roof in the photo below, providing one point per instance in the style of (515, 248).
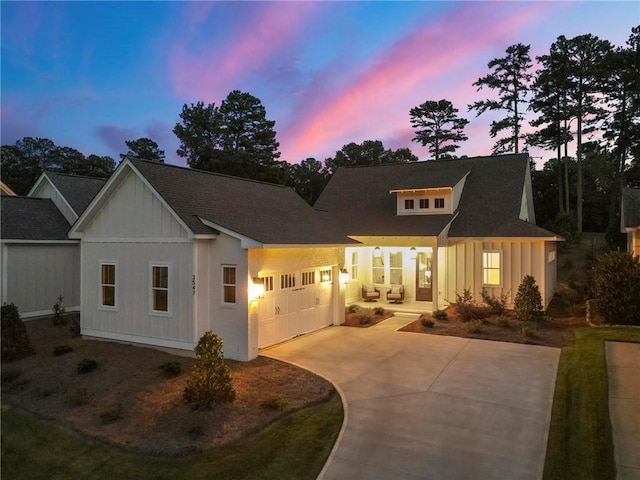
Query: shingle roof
(26, 218)
(267, 213)
(489, 206)
(77, 190)
(631, 207)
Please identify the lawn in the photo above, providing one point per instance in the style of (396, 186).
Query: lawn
(294, 447)
(580, 442)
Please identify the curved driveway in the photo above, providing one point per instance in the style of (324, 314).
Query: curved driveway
(431, 407)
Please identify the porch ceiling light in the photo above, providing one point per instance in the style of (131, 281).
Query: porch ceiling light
(413, 253)
(344, 276)
(377, 253)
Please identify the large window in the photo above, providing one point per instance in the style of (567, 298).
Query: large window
(377, 267)
(395, 268)
(108, 284)
(228, 284)
(492, 268)
(160, 288)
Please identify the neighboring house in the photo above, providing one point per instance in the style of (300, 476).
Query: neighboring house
(38, 261)
(630, 218)
(5, 190)
(169, 253)
(439, 227)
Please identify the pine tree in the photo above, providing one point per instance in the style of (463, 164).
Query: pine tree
(438, 127)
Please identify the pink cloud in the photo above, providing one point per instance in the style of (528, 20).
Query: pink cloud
(385, 91)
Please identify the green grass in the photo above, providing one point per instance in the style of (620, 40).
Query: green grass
(580, 444)
(295, 447)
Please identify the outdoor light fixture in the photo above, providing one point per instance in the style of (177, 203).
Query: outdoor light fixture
(257, 288)
(377, 253)
(344, 276)
(413, 253)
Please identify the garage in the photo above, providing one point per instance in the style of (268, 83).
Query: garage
(294, 303)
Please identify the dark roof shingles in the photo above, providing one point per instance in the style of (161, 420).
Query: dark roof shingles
(25, 218)
(77, 190)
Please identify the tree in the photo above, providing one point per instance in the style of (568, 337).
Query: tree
(369, 152)
(144, 148)
(616, 287)
(510, 78)
(199, 135)
(438, 126)
(528, 301)
(308, 179)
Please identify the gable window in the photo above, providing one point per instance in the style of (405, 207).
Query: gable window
(325, 275)
(287, 280)
(408, 204)
(108, 284)
(424, 203)
(228, 284)
(160, 288)
(354, 265)
(438, 203)
(492, 268)
(308, 278)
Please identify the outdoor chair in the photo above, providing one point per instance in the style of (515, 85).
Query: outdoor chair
(370, 293)
(395, 294)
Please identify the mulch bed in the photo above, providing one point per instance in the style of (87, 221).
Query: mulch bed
(365, 317)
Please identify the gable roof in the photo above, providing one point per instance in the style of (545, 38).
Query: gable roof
(26, 218)
(490, 204)
(630, 207)
(78, 191)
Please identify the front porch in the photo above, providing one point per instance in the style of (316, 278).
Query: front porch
(409, 306)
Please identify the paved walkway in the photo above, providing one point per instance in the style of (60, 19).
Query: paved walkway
(623, 369)
(432, 407)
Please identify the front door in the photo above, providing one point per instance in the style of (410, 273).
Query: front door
(423, 277)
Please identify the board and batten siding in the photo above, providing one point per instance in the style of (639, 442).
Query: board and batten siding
(519, 258)
(34, 275)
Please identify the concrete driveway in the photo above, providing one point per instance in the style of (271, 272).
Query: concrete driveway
(431, 407)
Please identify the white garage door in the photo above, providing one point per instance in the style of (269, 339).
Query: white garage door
(294, 303)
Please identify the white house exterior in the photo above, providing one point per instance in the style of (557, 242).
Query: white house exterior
(168, 253)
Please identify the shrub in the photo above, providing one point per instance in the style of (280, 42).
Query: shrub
(617, 287)
(274, 402)
(352, 309)
(440, 315)
(365, 318)
(171, 369)
(15, 339)
(80, 396)
(527, 331)
(465, 299)
(58, 312)
(528, 301)
(378, 311)
(497, 305)
(74, 325)
(475, 326)
(427, 322)
(210, 381)
(503, 321)
(112, 414)
(570, 294)
(61, 350)
(467, 308)
(87, 365)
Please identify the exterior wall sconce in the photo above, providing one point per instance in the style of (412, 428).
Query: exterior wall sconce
(344, 276)
(413, 253)
(377, 253)
(257, 288)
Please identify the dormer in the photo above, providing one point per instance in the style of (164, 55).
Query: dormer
(429, 200)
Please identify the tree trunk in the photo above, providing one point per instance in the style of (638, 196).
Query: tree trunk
(566, 174)
(579, 160)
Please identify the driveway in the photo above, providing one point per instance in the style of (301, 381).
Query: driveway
(431, 407)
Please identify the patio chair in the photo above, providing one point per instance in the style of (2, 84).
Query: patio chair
(395, 294)
(370, 293)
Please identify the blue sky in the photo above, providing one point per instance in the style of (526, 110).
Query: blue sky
(90, 75)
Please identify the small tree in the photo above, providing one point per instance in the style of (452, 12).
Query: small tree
(15, 339)
(528, 301)
(210, 381)
(59, 311)
(617, 288)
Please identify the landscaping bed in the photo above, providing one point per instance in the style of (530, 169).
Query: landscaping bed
(365, 317)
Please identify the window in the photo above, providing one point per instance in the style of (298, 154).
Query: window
(325, 275)
(287, 280)
(408, 204)
(439, 203)
(377, 267)
(395, 268)
(108, 284)
(551, 256)
(268, 283)
(424, 203)
(160, 288)
(354, 265)
(491, 268)
(228, 284)
(308, 278)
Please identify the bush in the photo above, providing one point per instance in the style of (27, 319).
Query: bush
(570, 294)
(468, 309)
(87, 365)
(61, 350)
(528, 301)
(465, 299)
(365, 318)
(498, 305)
(274, 402)
(171, 369)
(112, 414)
(440, 315)
(427, 322)
(527, 331)
(58, 312)
(378, 311)
(352, 309)
(475, 326)
(503, 321)
(210, 381)
(617, 288)
(15, 339)
(80, 396)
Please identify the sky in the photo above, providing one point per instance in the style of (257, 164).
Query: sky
(91, 75)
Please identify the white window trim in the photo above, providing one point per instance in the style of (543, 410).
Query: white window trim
(387, 268)
(108, 308)
(161, 313)
(500, 269)
(354, 273)
(222, 285)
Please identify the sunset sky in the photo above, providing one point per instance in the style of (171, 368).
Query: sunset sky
(90, 75)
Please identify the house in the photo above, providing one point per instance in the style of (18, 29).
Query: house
(38, 260)
(436, 228)
(168, 253)
(5, 190)
(630, 218)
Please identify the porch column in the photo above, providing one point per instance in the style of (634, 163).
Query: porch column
(434, 279)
